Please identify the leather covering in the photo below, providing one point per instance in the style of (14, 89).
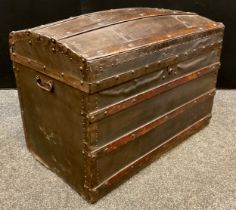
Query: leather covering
(104, 94)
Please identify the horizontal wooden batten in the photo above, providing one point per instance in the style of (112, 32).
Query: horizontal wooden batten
(148, 157)
(93, 87)
(110, 110)
(131, 136)
(149, 68)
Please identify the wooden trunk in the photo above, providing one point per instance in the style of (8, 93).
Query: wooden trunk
(104, 94)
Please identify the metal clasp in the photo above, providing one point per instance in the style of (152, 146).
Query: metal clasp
(47, 86)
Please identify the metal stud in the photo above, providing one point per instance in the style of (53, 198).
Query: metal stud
(117, 76)
(81, 67)
(134, 100)
(132, 71)
(81, 82)
(133, 135)
(30, 42)
(44, 68)
(62, 74)
(163, 77)
(147, 66)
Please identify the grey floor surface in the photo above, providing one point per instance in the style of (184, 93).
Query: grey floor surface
(198, 174)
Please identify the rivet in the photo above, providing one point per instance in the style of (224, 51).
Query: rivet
(29, 60)
(13, 43)
(81, 82)
(147, 66)
(175, 73)
(53, 49)
(30, 42)
(177, 56)
(98, 82)
(159, 62)
(117, 77)
(105, 112)
(81, 67)
(62, 74)
(133, 135)
(83, 60)
(53, 41)
(198, 73)
(186, 53)
(81, 112)
(163, 77)
(132, 71)
(44, 68)
(203, 47)
(194, 50)
(166, 117)
(38, 37)
(71, 59)
(27, 33)
(133, 100)
(14, 54)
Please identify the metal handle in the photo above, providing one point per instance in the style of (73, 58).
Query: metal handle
(47, 86)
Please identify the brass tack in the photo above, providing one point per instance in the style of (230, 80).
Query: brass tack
(134, 100)
(62, 74)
